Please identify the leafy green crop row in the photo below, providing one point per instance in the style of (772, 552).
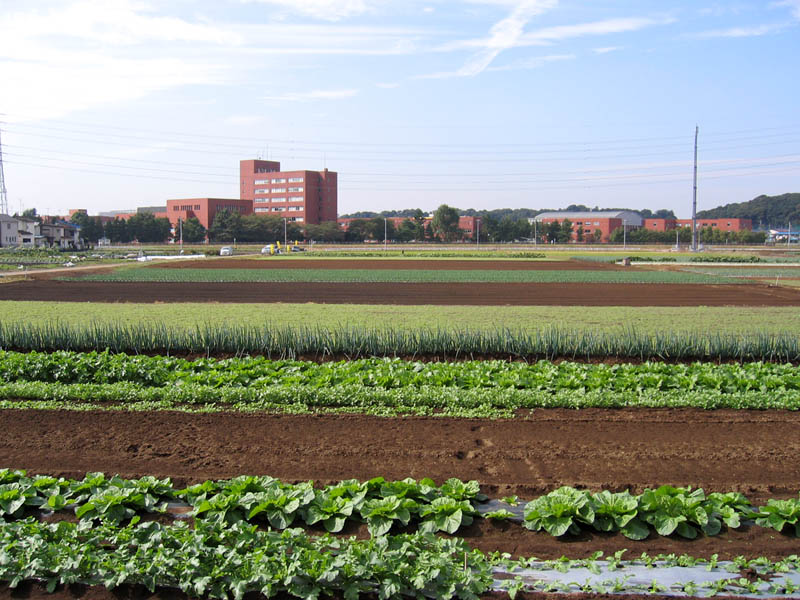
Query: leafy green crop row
(667, 510)
(383, 504)
(355, 342)
(423, 401)
(259, 372)
(218, 561)
(379, 503)
(300, 275)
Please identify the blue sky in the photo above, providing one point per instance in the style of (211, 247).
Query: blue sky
(114, 104)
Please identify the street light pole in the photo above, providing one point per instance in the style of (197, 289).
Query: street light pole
(285, 243)
(385, 226)
(624, 233)
(478, 237)
(180, 226)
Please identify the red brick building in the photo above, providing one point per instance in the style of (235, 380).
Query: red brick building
(603, 221)
(467, 225)
(204, 209)
(300, 196)
(723, 224)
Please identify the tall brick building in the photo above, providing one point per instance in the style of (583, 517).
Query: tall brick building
(301, 196)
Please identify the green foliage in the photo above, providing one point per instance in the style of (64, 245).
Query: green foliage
(779, 513)
(774, 211)
(445, 223)
(193, 231)
(560, 512)
(683, 511)
(222, 562)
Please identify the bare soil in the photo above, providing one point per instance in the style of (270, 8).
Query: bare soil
(442, 294)
(748, 451)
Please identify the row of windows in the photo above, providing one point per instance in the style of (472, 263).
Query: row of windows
(278, 199)
(295, 179)
(186, 207)
(279, 180)
(296, 189)
(587, 223)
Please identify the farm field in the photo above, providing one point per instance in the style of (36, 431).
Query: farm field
(188, 315)
(728, 425)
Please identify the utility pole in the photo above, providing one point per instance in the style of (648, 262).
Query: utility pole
(478, 237)
(180, 227)
(625, 233)
(385, 225)
(694, 194)
(789, 234)
(3, 195)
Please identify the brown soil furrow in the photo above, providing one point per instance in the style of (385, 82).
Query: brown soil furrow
(442, 294)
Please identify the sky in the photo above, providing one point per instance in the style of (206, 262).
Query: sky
(115, 104)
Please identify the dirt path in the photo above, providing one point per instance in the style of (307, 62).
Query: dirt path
(443, 294)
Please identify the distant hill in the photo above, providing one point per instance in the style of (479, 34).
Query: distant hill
(765, 211)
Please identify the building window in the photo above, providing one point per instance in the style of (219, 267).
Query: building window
(295, 189)
(262, 191)
(278, 190)
(277, 209)
(279, 181)
(295, 198)
(298, 219)
(295, 179)
(260, 181)
(261, 210)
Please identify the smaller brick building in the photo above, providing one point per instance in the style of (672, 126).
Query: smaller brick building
(723, 224)
(604, 221)
(204, 209)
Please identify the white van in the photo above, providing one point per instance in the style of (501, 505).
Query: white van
(226, 251)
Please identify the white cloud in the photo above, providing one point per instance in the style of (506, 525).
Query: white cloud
(533, 63)
(503, 35)
(604, 27)
(739, 32)
(606, 49)
(794, 6)
(312, 95)
(328, 10)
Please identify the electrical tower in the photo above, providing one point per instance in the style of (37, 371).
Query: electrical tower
(3, 195)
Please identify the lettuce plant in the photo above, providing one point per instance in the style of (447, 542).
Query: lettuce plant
(560, 511)
(779, 513)
(445, 514)
(617, 512)
(381, 513)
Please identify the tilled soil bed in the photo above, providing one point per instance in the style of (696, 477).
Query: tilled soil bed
(751, 452)
(442, 294)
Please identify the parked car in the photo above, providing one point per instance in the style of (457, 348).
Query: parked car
(226, 251)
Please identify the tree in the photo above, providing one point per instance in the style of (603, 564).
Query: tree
(579, 233)
(30, 213)
(227, 226)
(146, 228)
(118, 231)
(328, 231)
(91, 227)
(445, 223)
(565, 233)
(407, 231)
(193, 230)
(357, 231)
